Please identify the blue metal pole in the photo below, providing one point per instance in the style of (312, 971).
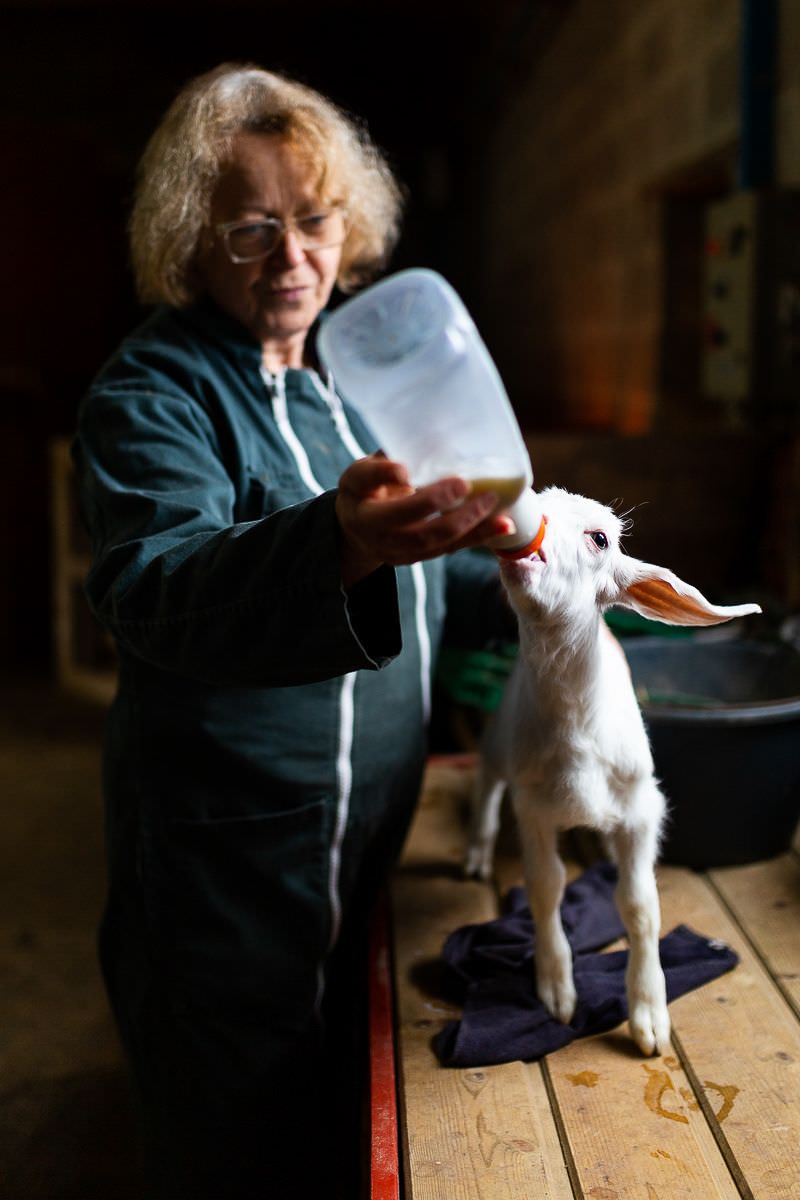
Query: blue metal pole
(757, 92)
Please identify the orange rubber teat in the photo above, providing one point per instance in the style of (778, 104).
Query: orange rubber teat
(526, 551)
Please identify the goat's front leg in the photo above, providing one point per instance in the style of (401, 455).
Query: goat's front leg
(637, 900)
(487, 797)
(544, 880)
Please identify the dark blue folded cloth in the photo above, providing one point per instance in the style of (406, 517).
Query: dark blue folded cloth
(490, 966)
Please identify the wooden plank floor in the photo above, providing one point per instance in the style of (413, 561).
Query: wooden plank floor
(717, 1119)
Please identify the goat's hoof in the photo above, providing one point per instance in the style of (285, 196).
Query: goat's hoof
(649, 1024)
(559, 998)
(478, 863)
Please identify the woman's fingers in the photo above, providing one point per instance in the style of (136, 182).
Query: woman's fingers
(368, 475)
(378, 479)
(469, 524)
(477, 529)
(436, 534)
(384, 520)
(408, 509)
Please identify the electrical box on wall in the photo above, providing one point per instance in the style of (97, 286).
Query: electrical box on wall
(751, 356)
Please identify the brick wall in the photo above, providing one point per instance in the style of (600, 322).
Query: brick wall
(598, 166)
(788, 100)
(629, 103)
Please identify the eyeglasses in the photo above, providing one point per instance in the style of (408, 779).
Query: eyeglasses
(248, 241)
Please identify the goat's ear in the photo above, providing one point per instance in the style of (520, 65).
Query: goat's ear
(659, 594)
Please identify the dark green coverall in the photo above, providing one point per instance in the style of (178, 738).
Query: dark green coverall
(265, 747)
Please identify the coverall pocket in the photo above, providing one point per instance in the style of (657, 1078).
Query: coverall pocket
(247, 911)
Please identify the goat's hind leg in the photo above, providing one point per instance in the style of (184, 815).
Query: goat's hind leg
(545, 877)
(487, 797)
(637, 900)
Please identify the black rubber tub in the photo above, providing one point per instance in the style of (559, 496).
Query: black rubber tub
(724, 724)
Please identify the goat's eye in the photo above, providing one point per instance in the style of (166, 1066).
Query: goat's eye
(599, 538)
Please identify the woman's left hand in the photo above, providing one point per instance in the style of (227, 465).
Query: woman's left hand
(385, 520)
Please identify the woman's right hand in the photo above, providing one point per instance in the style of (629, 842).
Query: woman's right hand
(385, 520)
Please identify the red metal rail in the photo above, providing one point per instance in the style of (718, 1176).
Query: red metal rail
(384, 1142)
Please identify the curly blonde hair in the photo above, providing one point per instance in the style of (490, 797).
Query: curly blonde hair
(185, 156)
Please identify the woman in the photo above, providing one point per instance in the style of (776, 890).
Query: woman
(261, 570)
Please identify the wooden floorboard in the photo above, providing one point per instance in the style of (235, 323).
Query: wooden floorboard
(764, 898)
(486, 1133)
(632, 1126)
(717, 1119)
(741, 1041)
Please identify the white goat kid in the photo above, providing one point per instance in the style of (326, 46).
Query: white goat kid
(570, 742)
